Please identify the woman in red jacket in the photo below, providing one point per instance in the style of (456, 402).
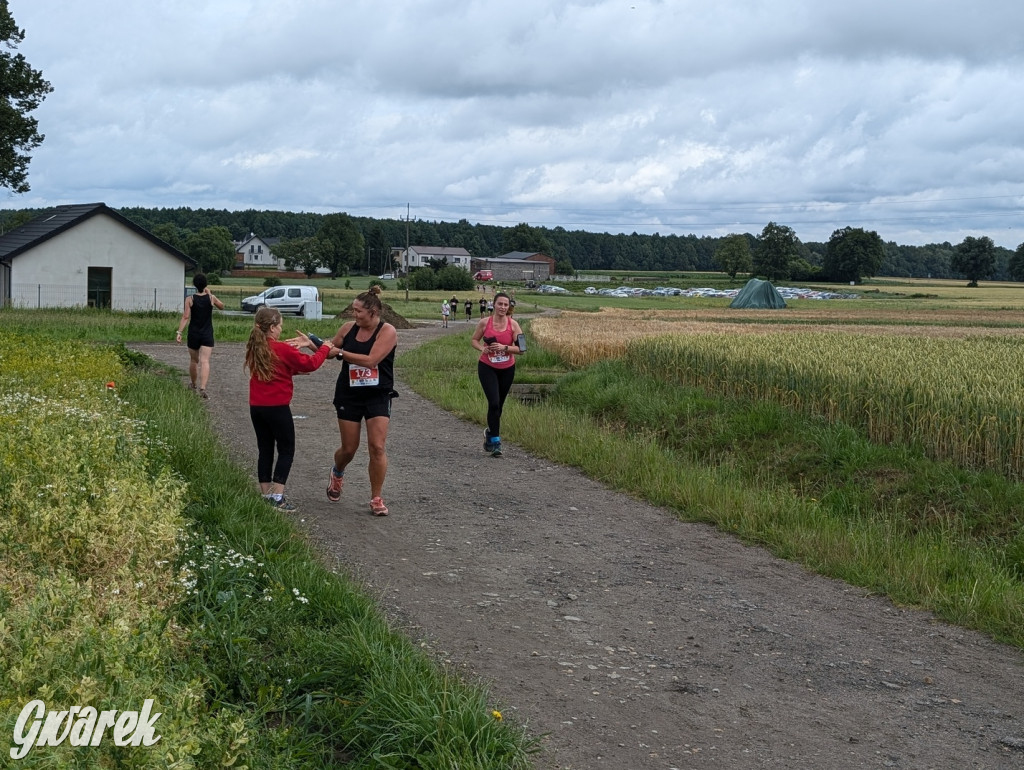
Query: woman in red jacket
(271, 364)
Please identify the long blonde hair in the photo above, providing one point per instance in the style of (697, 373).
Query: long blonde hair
(259, 358)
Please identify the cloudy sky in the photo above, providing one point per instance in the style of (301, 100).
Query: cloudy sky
(683, 116)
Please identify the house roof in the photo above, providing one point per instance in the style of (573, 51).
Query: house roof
(273, 241)
(519, 255)
(59, 219)
(440, 250)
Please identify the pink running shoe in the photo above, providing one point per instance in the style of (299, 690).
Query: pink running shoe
(378, 507)
(334, 487)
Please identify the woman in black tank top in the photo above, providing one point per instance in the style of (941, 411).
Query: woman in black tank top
(364, 392)
(198, 315)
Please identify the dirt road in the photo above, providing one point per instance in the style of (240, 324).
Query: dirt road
(630, 639)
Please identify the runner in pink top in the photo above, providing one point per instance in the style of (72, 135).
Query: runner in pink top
(499, 339)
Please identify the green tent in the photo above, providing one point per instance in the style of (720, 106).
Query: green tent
(758, 293)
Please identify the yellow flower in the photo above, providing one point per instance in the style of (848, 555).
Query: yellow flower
(496, 715)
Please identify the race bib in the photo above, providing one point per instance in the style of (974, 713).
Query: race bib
(362, 377)
(499, 359)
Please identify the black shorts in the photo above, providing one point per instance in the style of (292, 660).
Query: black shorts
(362, 407)
(199, 341)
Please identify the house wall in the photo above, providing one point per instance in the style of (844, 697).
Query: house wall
(517, 269)
(419, 258)
(54, 273)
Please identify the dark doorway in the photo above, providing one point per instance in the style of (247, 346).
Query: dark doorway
(99, 281)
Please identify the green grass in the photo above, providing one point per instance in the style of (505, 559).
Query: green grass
(260, 656)
(924, 533)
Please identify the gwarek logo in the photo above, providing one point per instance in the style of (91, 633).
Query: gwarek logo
(82, 727)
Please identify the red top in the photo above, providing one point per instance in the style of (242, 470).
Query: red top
(504, 337)
(287, 362)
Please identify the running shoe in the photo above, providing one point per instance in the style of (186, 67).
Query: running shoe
(202, 393)
(284, 506)
(487, 439)
(334, 487)
(378, 507)
(496, 448)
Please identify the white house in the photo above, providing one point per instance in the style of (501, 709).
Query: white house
(255, 252)
(417, 256)
(90, 255)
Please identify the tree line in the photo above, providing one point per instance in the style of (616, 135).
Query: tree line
(347, 244)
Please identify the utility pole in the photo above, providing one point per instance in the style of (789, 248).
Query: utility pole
(406, 252)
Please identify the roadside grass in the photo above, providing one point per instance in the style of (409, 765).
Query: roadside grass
(924, 533)
(137, 561)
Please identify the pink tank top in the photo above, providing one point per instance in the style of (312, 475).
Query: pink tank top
(502, 360)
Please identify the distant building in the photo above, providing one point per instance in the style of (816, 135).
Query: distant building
(90, 255)
(254, 253)
(418, 256)
(518, 266)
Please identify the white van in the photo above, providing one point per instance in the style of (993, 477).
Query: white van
(287, 299)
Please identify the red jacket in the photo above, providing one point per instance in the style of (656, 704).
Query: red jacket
(287, 362)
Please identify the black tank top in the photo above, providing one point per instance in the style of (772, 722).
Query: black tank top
(347, 387)
(200, 321)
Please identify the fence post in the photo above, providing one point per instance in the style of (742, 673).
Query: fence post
(154, 300)
(39, 296)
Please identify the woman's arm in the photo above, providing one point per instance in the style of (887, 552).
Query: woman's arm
(514, 348)
(186, 314)
(339, 335)
(478, 334)
(301, 363)
(216, 302)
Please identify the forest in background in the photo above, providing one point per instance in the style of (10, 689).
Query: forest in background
(582, 249)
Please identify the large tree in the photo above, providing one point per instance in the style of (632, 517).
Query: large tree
(306, 254)
(733, 255)
(522, 237)
(22, 89)
(347, 248)
(776, 248)
(378, 252)
(1016, 266)
(212, 248)
(852, 253)
(171, 234)
(975, 258)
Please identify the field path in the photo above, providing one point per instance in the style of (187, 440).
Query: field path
(631, 640)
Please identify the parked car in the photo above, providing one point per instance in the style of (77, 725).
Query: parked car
(547, 288)
(287, 299)
(388, 277)
(483, 275)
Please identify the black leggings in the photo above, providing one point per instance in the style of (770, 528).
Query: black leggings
(496, 384)
(273, 425)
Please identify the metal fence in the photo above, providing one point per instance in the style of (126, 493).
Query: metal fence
(40, 295)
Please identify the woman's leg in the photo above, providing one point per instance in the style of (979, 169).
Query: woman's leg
(284, 433)
(349, 444)
(204, 365)
(376, 438)
(505, 379)
(488, 376)
(265, 448)
(193, 367)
